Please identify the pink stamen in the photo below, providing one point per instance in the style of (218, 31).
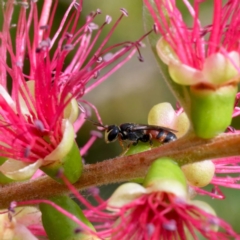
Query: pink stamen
(94, 135)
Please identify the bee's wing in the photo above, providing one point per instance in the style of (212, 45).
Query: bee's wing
(151, 127)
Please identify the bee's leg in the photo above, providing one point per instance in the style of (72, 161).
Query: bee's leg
(126, 149)
(150, 139)
(121, 143)
(135, 143)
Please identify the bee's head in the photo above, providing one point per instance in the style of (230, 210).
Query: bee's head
(111, 133)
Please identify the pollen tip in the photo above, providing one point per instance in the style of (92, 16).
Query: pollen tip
(150, 229)
(44, 27)
(94, 191)
(68, 35)
(96, 134)
(108, 19)
(96, 74)
(27, 151)
(155, 28)
(140, 58)
(124, 12)
(13, 204)
(60, 173)
(141, 44)
(44, 45)
(23, 4)
(98, 59)
(92, 26)
(68, 47)
(39, 125)
(13, 25)
(77, 6)
(78, 230)
(108, 56)
(170, 225)
(19, 64)
(231, 129)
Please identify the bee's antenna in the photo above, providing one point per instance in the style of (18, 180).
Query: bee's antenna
(96, 123)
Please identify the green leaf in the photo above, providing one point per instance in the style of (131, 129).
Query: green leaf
(57, 225)
(71, 164)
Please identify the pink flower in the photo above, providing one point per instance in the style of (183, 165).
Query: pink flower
(139, 214)
(40, 111)
(194, 51)
(161, 209)
(203, 61)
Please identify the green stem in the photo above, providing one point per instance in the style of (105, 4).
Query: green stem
(185, 150)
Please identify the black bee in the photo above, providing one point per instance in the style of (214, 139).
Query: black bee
(137, 132)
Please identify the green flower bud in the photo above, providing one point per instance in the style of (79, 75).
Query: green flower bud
(165, 175)
(140, 147)
(65, 156)
(211, 109)
(71, 164)
(59, 226)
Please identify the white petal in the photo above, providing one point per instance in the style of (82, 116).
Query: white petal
(28, 215)
(65, 145)
(7, 97)
(185, 75)
(125, 194)
(165, 52)
(218, 69)
(30, 85)
(22, 233)
(176, 188)
(20, 171)
(71, 111)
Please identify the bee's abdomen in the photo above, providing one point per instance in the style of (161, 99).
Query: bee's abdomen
(165, 136)
(170, 137)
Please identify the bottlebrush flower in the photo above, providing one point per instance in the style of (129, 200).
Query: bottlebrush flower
(37, 114)
(158, 210)
(205, 58)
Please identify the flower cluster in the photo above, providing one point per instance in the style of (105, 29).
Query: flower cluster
(203, 61)
(37, 115)
(151, 211)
